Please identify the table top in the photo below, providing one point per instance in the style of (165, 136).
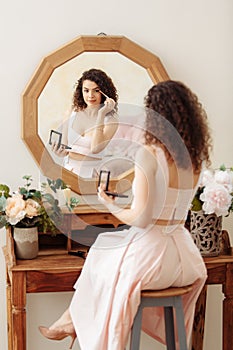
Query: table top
(60, 259)
(94, 208)
(50, 259)
(222, 258)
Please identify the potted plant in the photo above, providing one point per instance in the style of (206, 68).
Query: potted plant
(26, 212)
(212, 201)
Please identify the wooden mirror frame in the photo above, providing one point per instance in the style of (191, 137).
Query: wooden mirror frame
(99, 43)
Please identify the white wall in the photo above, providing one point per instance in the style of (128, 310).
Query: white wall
(193, 40)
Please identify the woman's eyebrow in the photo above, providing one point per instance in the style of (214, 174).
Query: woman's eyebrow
(96, 88)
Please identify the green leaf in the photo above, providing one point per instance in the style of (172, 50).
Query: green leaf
(27, 177)
(4, 190)
(222, 167)
(49, 181)
(2, 203)
(23, 191)
(48, 197)
(3, 221)
(196, 204)
(73, 203)
(56, 184)
(35, 194)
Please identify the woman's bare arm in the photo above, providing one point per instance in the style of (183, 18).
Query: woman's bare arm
(140, 213)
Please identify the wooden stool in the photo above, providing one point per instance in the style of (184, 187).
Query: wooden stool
(168, 298)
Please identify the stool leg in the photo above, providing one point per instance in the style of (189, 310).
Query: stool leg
(136, 330)
(169, 327)
(180, 324)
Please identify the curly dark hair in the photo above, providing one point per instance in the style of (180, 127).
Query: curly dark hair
(102, 80)
(174, 118)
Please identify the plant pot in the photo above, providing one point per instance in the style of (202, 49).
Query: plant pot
(206, 231)
(26, 242)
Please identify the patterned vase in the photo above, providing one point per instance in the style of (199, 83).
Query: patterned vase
(206, 230)
(26, 242)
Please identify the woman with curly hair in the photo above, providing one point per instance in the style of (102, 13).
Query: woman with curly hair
(157, 251)
(92, 123)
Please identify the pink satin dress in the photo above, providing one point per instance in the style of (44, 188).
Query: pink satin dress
(81, 145)
(121, 264)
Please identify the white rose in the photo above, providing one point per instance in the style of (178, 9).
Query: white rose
(15, 209)
(32, 208)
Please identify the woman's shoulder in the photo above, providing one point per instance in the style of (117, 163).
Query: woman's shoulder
(70, 114)
(147, 151)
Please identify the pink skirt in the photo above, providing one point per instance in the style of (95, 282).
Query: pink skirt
(119, 265)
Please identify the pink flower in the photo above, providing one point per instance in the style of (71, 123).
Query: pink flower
(207, 178)
(15, 209)
(216, 198)
(32, 208)
(224, 178)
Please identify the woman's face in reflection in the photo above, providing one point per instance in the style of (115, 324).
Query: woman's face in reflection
(91, 93)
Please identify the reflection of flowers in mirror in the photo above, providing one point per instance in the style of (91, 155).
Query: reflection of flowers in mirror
(29, 208)
(215, 193)
(62, 190)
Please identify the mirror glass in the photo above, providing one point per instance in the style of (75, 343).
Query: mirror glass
(48, 96)
(130, 79)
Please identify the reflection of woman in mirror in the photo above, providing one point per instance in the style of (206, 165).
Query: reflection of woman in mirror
(121, 264)
(91, 124)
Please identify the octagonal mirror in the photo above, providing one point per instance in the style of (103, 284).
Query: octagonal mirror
(48, 95)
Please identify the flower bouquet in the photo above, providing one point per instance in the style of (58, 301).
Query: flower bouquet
(215, 193)
(27, 212)
(212, 201)
(29, 208)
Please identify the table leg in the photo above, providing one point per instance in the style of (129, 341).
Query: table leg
(18, 298)
(228, 309)
(9, 313)
(199, 321)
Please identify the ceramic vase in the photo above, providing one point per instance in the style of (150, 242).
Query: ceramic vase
(206, 230)
(26, 242)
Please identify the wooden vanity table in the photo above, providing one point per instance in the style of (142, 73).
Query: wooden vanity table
(54, 270)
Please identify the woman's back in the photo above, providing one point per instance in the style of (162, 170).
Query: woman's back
(173, 191)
